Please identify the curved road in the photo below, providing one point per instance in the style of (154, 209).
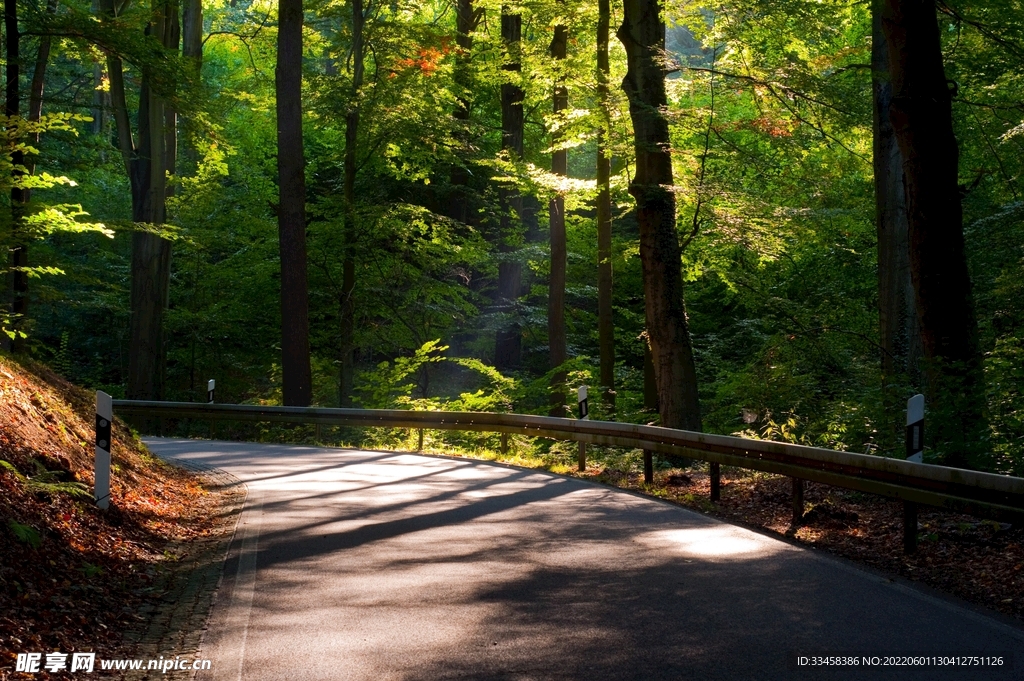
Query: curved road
(374, 565)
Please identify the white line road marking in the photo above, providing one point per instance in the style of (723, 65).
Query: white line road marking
(245, 579)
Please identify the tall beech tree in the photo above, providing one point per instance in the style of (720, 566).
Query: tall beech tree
(466, 19)
(147, 159)
(605, 321)
(20, 197)
(899, 332)
(921, 116)
(348, 283)
(291, 220)
(556, 224)
(192, 50)
(19, 247)
(508, 348)
(643, 35)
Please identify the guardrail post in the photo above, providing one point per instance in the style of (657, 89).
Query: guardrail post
(909, 527)
(798, 500)
(648, 467)
(419, 445)
(582, 457)
(716, 482)
(504, 444)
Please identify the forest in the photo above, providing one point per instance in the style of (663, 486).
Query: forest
(773, 218)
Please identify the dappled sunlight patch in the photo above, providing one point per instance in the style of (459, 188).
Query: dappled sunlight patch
(714, 542)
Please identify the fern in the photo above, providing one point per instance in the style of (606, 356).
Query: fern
(8, 466)
(25, 533)
(48, 482)
(79, 490)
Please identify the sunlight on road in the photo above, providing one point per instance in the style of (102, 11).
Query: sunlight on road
(714, 542)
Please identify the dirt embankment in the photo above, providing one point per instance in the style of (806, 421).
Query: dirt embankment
(74, 578)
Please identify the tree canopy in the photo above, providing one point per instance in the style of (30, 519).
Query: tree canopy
(451, 186)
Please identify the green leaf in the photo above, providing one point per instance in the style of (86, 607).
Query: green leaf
(25, 533)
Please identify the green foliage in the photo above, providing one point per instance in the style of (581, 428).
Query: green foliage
(386, 387)
(770, 118)
(25, 533)
(391, 384)
(48, 482)
(90, 570)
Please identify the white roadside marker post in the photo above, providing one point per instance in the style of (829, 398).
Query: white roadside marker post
(915, 453)
(101, 469)
(915, 428)
(211, 387)
(584, 412)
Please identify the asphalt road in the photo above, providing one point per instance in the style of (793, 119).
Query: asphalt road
(374, 565)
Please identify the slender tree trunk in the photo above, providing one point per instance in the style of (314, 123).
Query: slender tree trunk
(921, 116)
(192, 50)
(650, 389)
(19, 246)
(605, 321)
(509, 341)
(148, 166)
(459, 199)
(21, 197)
(643, 35)
(348, 276)
(99, 101)
(99, 97)
(192, 32)
(171, 40)
(35, 92)
(556, 223)
(295, 368)
(898, 327)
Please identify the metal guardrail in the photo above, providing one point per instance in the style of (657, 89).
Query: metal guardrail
(972, 492)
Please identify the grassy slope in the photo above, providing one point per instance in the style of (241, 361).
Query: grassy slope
(72, 577)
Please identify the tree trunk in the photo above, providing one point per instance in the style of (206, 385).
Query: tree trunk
(148, 167)
(297, 389)
(556, 223)
(921, 116)
(900, 336)
(898, 328)
(171, 40)
(192, 32)
(19, 243)
(605, 321)
(35, 92)
(459, 199)
(348, 276)
(509, 341)
(643, 35)
(192, 50)
(21, 197)
(100, 99)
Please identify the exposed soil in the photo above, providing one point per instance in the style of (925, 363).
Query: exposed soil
(74, 578)
(979, 561)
